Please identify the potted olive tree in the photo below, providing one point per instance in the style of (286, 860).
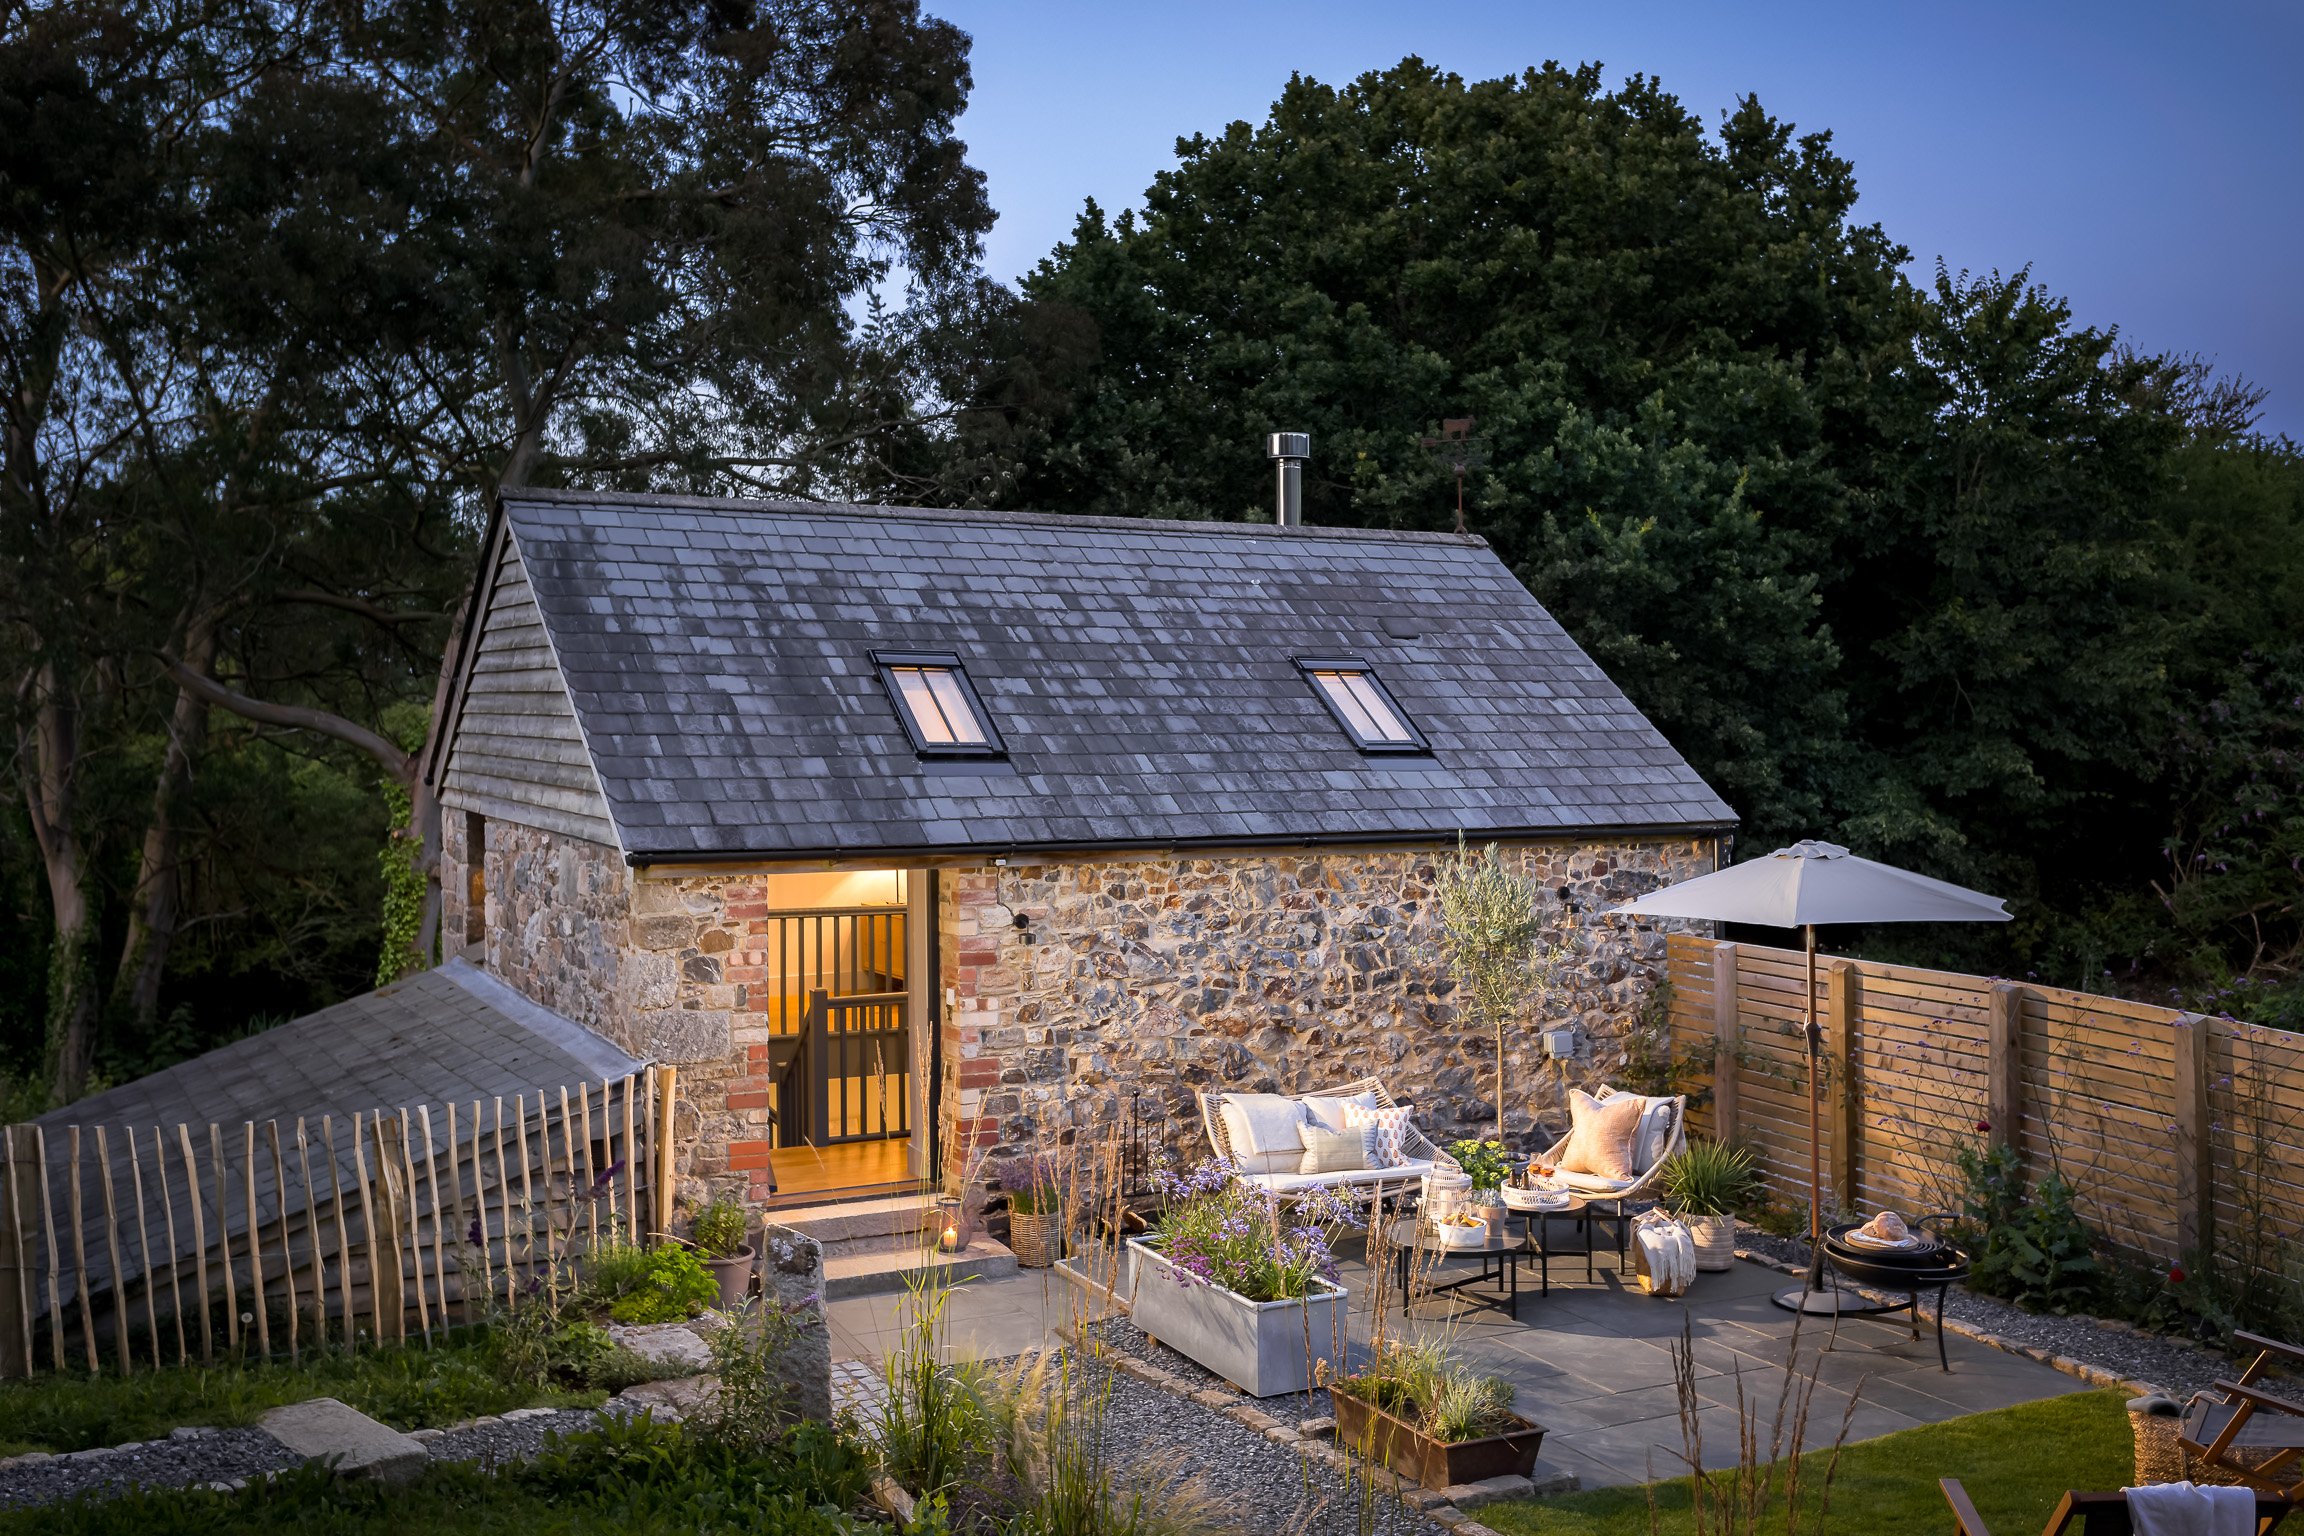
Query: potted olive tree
(718, 1234)
(1703, 1187)
(1233, 1282)
(1420, 1412)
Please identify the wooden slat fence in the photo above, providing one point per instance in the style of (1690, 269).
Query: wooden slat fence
(125, 1247)
(2176, 1130)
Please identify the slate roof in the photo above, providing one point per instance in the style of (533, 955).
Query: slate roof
(451, 1033)
(1141, 672)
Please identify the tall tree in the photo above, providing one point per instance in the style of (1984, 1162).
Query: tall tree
(1675, 346)
(654, 218)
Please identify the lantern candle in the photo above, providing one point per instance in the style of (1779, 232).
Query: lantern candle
(948, 1236)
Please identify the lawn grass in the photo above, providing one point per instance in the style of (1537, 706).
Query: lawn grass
(2016, 1462)
(411, 1386)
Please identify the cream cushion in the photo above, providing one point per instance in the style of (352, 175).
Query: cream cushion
(1266, 1131)
(1655, 1132)
(1332, 1151)
(1601, 1134)
(1401, 1176)
(1327, 1111)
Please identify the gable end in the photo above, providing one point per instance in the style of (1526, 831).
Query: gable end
(518, 754)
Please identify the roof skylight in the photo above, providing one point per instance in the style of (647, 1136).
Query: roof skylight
(938, 705)
(1362, 705)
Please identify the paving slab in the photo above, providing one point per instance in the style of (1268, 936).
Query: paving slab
(323, 1429)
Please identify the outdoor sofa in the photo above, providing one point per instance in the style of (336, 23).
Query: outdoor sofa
(1420, 1155)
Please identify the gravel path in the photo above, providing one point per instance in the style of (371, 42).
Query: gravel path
(2177, 1368)
(494, 1442)
(187, 1457)
(200, 1457)
(1248, 1483)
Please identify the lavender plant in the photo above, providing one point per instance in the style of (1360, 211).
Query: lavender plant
(1220, 1230)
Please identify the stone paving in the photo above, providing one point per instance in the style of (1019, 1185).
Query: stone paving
(1591, 1361)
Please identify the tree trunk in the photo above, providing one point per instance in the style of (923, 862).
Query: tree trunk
(405, 767)
(158, 903)
(51, 795)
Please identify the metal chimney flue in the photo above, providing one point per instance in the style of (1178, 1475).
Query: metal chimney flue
(1289, 450)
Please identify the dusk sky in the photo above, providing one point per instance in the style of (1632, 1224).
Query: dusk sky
(2147, 162)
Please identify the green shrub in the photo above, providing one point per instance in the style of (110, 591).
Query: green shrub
(2029, 1247)
(1709, 1178)
(719, 1228)
(664, 1284)
(1485, 1163)
(1425, 1384)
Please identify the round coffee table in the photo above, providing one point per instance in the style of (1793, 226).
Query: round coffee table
(1500, 1259)
(1588, 1211)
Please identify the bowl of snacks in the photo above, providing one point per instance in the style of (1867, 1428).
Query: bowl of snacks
(1460, 1229)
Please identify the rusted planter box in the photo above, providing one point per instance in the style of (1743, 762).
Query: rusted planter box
(1362, 1428)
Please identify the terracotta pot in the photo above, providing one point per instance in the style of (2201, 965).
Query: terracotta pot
(1363, 1429)
(1037, 1237)
(734, 1274)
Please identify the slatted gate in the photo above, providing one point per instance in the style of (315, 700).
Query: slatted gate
(837, 1006)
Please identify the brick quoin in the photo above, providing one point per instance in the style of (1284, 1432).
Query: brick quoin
(743, 1155)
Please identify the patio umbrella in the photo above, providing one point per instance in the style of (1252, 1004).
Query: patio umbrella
(1799, 887)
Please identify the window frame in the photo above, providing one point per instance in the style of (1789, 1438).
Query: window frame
(1415, 746)
(990, 749)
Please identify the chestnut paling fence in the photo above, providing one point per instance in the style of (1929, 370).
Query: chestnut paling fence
(2178, 1131)
(131, 1247)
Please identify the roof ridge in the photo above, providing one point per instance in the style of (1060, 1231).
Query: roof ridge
(733, 506)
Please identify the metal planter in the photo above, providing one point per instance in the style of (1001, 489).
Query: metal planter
(1264, 1348)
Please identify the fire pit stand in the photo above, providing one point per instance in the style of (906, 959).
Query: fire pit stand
(1936, 1266)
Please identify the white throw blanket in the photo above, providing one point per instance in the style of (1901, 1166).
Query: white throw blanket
(2187, 1509)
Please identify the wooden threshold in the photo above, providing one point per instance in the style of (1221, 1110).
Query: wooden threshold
(808, 1174)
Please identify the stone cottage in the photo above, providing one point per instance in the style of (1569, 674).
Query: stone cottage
(911, 834)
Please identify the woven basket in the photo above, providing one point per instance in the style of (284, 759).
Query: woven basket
(1037, 1237)
(2161, 1457)
(1715, 1238)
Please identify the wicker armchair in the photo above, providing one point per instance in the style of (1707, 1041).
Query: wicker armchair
(1424, 1156)
(1644, 1184)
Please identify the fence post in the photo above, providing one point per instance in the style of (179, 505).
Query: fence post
(2195, 1179)
(2004, 1065)
(660, 1200)
(1846, 1111)
(1724, 1041)
(17, 1260)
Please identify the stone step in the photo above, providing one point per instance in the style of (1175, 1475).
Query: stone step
(850, 1220)
(869, 1273)
(323, 1429)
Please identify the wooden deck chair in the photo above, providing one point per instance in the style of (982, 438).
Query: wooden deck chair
(2254, 1437)
(2090, 1514)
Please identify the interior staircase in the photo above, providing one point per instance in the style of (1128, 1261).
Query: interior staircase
(877, 1245)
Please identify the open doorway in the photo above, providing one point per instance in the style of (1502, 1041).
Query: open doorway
(839, 984)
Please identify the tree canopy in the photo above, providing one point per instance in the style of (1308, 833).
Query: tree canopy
(287, 292)
(1924, 567)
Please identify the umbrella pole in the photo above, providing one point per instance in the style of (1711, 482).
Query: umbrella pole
(1815, 1116)
(1810, 1296)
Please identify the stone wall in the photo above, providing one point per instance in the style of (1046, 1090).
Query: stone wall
(558, 921)
(1264, 972)
(1139, 976)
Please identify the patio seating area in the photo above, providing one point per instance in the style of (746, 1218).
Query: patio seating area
(1591, 1361)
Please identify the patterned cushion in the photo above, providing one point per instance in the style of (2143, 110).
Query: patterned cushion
(1601, 1133)
(1386, 1147)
